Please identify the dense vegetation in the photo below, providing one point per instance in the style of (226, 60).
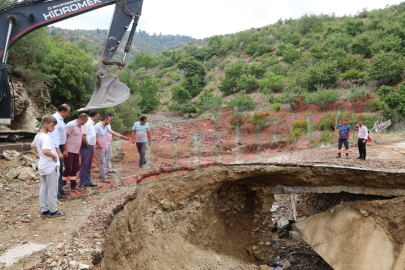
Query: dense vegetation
(91, 41)
(306, 58)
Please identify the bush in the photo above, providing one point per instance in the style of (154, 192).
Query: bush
(247, 82)
(276, 106)
(143, 60)
(180, 95)
(243, 102)
(358, 92)
(194, 76)
(271, 81)
(175, 76)
(298, 129)
(353, 74)
(386, 66)
(288, 52)
(207, 101)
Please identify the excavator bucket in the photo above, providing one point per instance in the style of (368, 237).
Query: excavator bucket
(109, 92)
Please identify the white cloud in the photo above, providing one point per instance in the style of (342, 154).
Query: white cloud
(201, 19)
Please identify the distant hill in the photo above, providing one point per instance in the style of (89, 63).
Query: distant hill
(91, 41)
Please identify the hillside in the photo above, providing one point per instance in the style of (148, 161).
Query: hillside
(316, 59)
(91, 41)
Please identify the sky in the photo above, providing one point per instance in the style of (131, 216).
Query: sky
(201, 19)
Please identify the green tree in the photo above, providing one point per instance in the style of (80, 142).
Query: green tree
(207, 101)
(194, 75)
(395, 99)
(386, 44)
(322, 97)
(180, 94)
(148, 91)
(242, 101)
(354, 27)
(271, 81)
(74, 75)
(247, 82)
(386, 66)
(323, 73)
(288, 52)
(353, 74)
(143, 60)
(229, 84)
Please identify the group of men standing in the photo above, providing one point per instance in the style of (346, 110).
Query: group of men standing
(61, 145)
(344, 135)
(81, 137)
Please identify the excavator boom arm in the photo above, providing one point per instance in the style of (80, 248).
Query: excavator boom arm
(21, 18)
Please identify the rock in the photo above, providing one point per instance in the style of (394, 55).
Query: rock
(72, 263)
(264, 267)
(10, 154)
(13, 173)
(295, 236)
(364, 213)
(25, 220)
(83, 266)
(26, 174)
(286, 265)
(282, 224)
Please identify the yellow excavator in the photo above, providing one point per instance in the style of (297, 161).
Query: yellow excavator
(20, 18)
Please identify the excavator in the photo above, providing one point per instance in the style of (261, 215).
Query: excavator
(20, 18)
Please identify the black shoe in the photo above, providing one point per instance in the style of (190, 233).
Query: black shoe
(359, 158)
(56, 214)
(338, 156)
(90, 185)
(45, 214)
(362, 158)
(63, 196)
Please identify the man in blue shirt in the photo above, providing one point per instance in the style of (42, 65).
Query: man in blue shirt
(344, 135)
(141, 135)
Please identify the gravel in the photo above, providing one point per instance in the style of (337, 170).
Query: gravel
(14, 254)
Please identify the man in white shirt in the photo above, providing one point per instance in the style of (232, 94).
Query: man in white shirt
(362, 140)
(48, 167)
(108, 151)
(102, 130)
(87, 150)
(58, 137)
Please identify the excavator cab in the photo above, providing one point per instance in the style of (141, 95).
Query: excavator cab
(23, 17)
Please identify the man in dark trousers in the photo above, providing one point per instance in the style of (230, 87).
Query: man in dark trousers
(362, 140)
(58, 137)
(87, 150)
(344, 135)
(74, 132)
(141, 135)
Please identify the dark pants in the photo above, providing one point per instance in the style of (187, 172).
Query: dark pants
(71, 169)
(346, 144)
(362, 147)
(141, 150)
(86, 155)
(60, 182)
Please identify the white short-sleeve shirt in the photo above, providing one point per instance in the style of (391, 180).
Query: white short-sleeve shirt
(46, 165)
